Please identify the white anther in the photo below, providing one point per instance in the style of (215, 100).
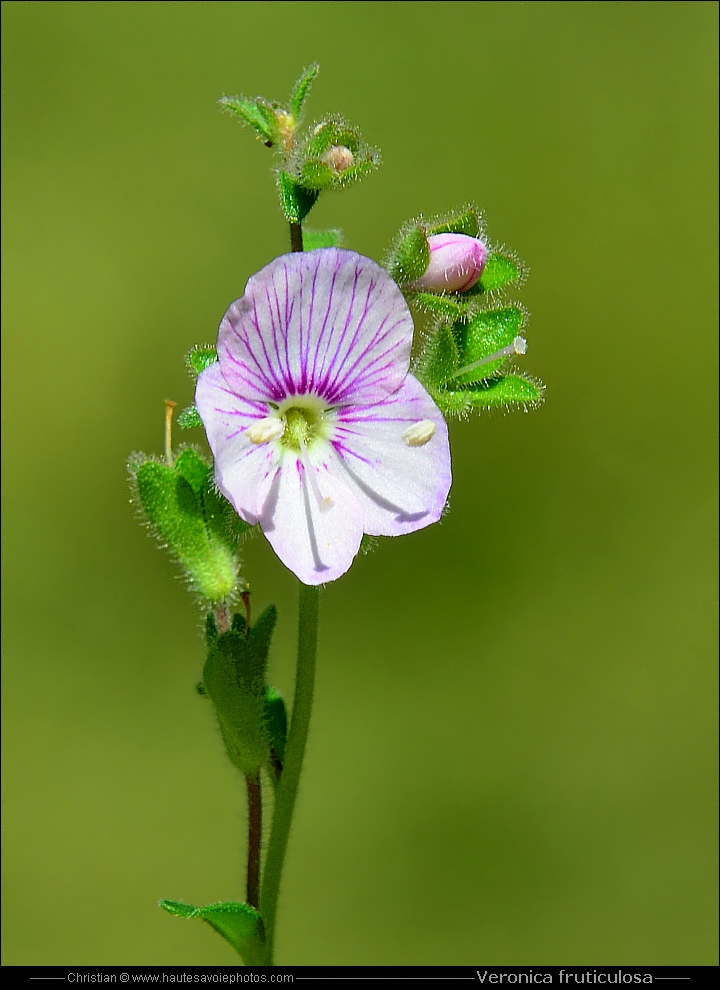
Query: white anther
(419, 433)
(264, 430)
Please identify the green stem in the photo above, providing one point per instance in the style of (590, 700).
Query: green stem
(309, 610)
(296, 237)
(254, 794)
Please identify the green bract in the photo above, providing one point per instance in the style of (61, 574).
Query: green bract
(240, 924)
(250, 714)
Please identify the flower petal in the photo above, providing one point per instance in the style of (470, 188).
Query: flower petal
(312, 521)
(328, 322)
(241, 466)
(401, 486)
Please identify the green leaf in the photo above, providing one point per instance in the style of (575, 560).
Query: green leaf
(239, 924)
(296, 201)
(466, 222)
(276, 720)
(483, 334)
(411, 256)
(313, 239)
(499, 271)
(189, 418)
(200, 358)
(173, 501)
(234, 679)
(257, 113)
(302, 88)
(439, 359)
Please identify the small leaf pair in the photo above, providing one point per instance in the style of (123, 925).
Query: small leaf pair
(274, 123)
(251, 714)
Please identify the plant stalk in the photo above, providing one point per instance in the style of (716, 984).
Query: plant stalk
(254, 839)
(286, 792)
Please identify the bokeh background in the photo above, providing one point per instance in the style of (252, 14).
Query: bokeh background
(512, 758)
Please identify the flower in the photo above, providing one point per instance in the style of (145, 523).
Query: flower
(456, 263)
(319, 432)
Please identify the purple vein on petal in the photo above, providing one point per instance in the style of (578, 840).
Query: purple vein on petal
(331, 350)
(342, 450)
(314, 383)
(285, 323)
(339, 362)
(339, 359)
(370, 368)
(240, 333)
(305, 345)
(267, 369)
(280, 348)
(247, 374)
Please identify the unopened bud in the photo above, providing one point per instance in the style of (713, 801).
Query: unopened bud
(456, 263)
(338, 157)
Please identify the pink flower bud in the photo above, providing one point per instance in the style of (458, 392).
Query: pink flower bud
(338, 157)
(456, 263)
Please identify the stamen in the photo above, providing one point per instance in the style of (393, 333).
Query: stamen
(419, 433)
(264, 430)
(324, 501)
(169, 406)
(518, 346)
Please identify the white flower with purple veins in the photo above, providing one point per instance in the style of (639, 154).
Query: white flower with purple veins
(319, 432)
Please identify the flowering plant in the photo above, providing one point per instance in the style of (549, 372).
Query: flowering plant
(323, 430)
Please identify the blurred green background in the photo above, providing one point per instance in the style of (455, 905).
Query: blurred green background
(512, 758)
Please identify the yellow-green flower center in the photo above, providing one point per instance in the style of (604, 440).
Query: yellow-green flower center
(305, 422)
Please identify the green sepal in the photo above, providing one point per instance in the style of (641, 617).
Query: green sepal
(499, 271)
(441, 303)
(200, 358)
(466, 222)
(190, 466)
(234, 679)
(257, 113)
(276, 720)
(302, 88)
(439, 359)
(316, 175)
(483, 334)
(189, 418)
(313, 239)
(189, 516)
(313, 170)
(508, 390)
(239, 924)
(328, 133)
(411, 256)
(295, 200)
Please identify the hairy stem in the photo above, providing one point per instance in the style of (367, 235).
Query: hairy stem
(309, 610)
(254, 839)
